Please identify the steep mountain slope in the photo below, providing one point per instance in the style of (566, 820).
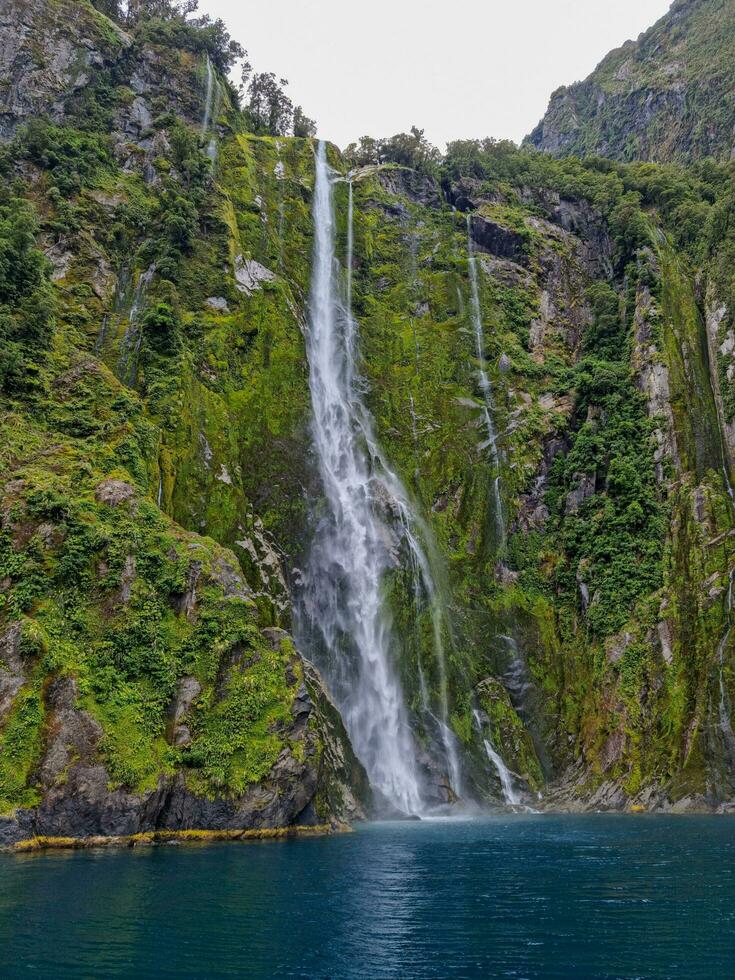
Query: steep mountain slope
(145, 681)
(159, 490)
(669, 96)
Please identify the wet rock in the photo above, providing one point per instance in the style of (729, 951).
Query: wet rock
(616, 646)
(186, 603)
(230, 579)
(584, 490)
(12, 667)
(114, 492)
(489, 236)
(188, 692)
(251, 275)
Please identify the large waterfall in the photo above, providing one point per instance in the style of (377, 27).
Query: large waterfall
(368, 527)
(350, 552)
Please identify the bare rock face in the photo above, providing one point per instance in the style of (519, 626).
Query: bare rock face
(114, 492)
(12, 669)
(251, 275)
(417, 187)
(47, 52)
(489, 236)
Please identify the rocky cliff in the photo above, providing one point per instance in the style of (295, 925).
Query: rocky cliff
(666, 97)
(157, 466)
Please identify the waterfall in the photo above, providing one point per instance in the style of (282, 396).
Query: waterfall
(510, 793)
(485, 387)
(368, 524)
(133, 337)
(350, 552)
(208, 99)
(212, 102)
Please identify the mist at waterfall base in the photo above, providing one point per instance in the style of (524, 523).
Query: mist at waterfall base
(516, 896)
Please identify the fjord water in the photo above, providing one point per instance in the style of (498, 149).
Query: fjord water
(511, 896)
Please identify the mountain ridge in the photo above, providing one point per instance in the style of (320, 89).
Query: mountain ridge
(665, 97)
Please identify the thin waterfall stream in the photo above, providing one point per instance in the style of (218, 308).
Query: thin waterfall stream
(511, 797)
(366, 521)
(212, 104)
(510, 793)
(485, 387)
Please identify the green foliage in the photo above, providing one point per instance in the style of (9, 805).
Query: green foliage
(72, 158)
(405, 149)
(26, 301)
(611, 539)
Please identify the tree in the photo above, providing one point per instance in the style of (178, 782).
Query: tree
(406, 149)
(302, 125)
(110, 8)
(270, 108)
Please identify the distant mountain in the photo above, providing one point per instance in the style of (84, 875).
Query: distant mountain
(669, 96)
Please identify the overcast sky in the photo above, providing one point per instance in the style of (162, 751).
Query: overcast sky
(457, 68)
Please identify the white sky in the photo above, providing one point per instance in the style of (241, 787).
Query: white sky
(457, 68)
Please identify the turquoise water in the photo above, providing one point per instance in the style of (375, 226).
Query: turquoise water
(536, 896)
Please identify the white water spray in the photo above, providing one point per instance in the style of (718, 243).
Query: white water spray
(212, 102)
(485, 386)
(133, 337)
(369, 520)
(208, 99)
(349, 556)
(511, 797)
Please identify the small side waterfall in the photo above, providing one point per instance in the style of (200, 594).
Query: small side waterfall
(486, 387)
(511, 796)
(367, 525)
(127, 369)
(208, 99)
(212, 103)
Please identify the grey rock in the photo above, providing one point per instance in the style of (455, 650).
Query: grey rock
(584, 490)
(12, 667)
(489, 236)
(251, 275)
(218, 303)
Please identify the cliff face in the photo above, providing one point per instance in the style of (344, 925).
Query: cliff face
(145, 680)
(666, 97)
(157, 466)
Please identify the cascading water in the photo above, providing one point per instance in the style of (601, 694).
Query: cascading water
(485, 386)
(132, 339)
(426, 593)
(349, 556)
(208, 98)
(368, 521)
(212, 101)
(511, 796)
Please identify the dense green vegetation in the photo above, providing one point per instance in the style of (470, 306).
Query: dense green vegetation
(153, 294)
